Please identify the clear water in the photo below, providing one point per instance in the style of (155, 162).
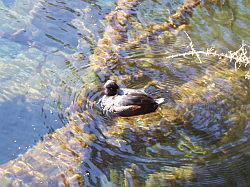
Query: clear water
(200, 137)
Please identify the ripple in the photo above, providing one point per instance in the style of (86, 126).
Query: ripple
(200, 137)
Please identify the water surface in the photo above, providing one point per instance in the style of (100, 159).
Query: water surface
(200, 137)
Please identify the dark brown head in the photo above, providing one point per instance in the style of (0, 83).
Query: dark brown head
(110, 88)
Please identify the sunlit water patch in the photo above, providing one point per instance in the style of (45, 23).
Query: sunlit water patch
(42, 58)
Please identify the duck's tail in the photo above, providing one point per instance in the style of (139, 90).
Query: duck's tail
(160, 101)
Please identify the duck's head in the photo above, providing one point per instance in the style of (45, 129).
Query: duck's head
(110, 88)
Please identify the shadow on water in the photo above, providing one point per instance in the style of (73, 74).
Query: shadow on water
(23, 124)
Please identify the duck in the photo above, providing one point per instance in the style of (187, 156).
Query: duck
(126, 102)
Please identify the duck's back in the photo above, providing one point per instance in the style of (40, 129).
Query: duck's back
(129, 103)
(136, 104)
(127, 91)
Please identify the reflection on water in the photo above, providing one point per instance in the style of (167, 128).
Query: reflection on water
(200, 137)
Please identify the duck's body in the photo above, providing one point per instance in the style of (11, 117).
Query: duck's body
(126, 102)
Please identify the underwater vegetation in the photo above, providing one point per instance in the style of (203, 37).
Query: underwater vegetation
(199, 137)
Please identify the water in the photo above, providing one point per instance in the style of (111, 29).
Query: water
(200, 137)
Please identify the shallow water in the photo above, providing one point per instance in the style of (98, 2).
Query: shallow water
(199, 137)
